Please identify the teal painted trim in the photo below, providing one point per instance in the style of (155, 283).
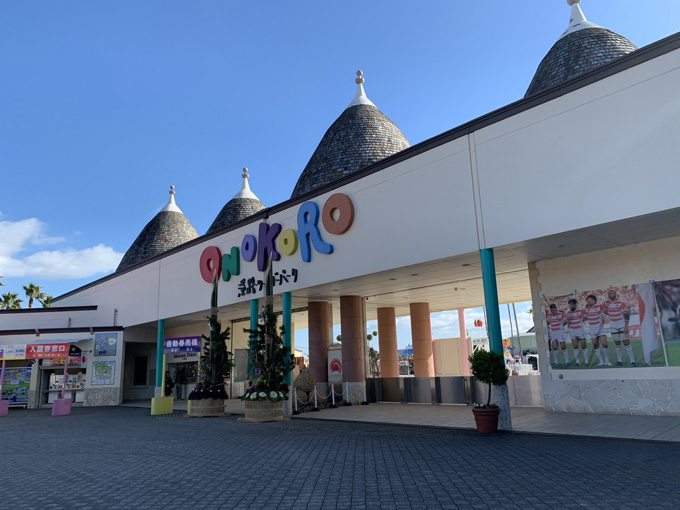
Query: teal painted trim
(254, 315)
(159, 353)
(493, 315)
(287, 324)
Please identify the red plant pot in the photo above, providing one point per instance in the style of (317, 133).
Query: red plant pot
(486, 420)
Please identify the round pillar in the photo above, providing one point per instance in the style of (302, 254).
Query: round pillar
(320, 324)
(353, 332)
(387, 339)
(421, 334)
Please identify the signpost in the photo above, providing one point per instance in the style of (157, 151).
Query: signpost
(4, 404)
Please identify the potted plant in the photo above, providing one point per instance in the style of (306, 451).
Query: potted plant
(216, 363)
(208, 398)
(270, 361)
(488, 368)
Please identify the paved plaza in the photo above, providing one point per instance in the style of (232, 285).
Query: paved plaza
(124, 458)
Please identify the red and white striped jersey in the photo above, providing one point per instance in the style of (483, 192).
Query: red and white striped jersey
(615, 311)
(556, 320)
(594, 314)
(575, 318)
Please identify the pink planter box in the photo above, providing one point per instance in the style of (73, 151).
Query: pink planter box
(61, 407)
(4, 407)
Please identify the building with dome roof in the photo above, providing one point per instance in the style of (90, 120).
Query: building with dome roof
(167, 230)
(361, 136)
(244, 204)
(566, 193)
(582, 47)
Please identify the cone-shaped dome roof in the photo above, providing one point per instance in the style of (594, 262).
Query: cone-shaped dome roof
(361, 136)
(244, 204)
(583, 46)
(168, 229)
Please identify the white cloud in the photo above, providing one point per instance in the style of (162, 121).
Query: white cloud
(404, 322)
(15, 235)
(19, 236)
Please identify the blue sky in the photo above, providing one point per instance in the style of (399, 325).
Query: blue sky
(105, 104)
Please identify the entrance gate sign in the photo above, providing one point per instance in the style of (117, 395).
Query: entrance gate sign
(336, 216)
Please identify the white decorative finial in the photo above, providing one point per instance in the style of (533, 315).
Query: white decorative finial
(245, 192)
(172, 206)
(577, 20)
(360, 96)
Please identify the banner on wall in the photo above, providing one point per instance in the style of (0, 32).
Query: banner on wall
(15, 385)
(105, 344)
(667, 295)
(335, 365)
(602, 328)
(103, 372)
(15, 351)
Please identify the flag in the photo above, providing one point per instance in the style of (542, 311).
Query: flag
(648, 332)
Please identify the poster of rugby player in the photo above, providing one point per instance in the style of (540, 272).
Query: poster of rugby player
(668, 304)
(603, 328)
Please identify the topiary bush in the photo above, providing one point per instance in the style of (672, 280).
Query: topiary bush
(488, 368)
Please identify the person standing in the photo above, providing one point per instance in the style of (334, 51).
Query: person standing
(556, 320)
(575, 318)
(594, 311)
(169, 384)
(619, 315)
(180, 380)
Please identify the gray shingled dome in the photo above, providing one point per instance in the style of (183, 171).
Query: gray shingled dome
(235, 210)
(166, 230)
(361, 136)
(577, 53)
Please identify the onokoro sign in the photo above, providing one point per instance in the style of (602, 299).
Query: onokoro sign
(336, 216)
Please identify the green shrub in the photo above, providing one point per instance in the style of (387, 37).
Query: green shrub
(488, 368)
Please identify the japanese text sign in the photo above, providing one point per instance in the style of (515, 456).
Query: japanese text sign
(40, 351)
(184, 344)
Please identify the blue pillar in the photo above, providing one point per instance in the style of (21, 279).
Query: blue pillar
(159, 353)
(254, 314)
(287, 324)
(493, 316)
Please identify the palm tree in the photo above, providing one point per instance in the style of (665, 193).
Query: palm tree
(45, 300)
(32, 292)
(11, 300)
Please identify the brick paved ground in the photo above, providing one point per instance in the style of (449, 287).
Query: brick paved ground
(123, 458)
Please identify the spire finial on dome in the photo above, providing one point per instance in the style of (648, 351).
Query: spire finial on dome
(172, 206)
(577, 20)
(245, 192)
(360, 96)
